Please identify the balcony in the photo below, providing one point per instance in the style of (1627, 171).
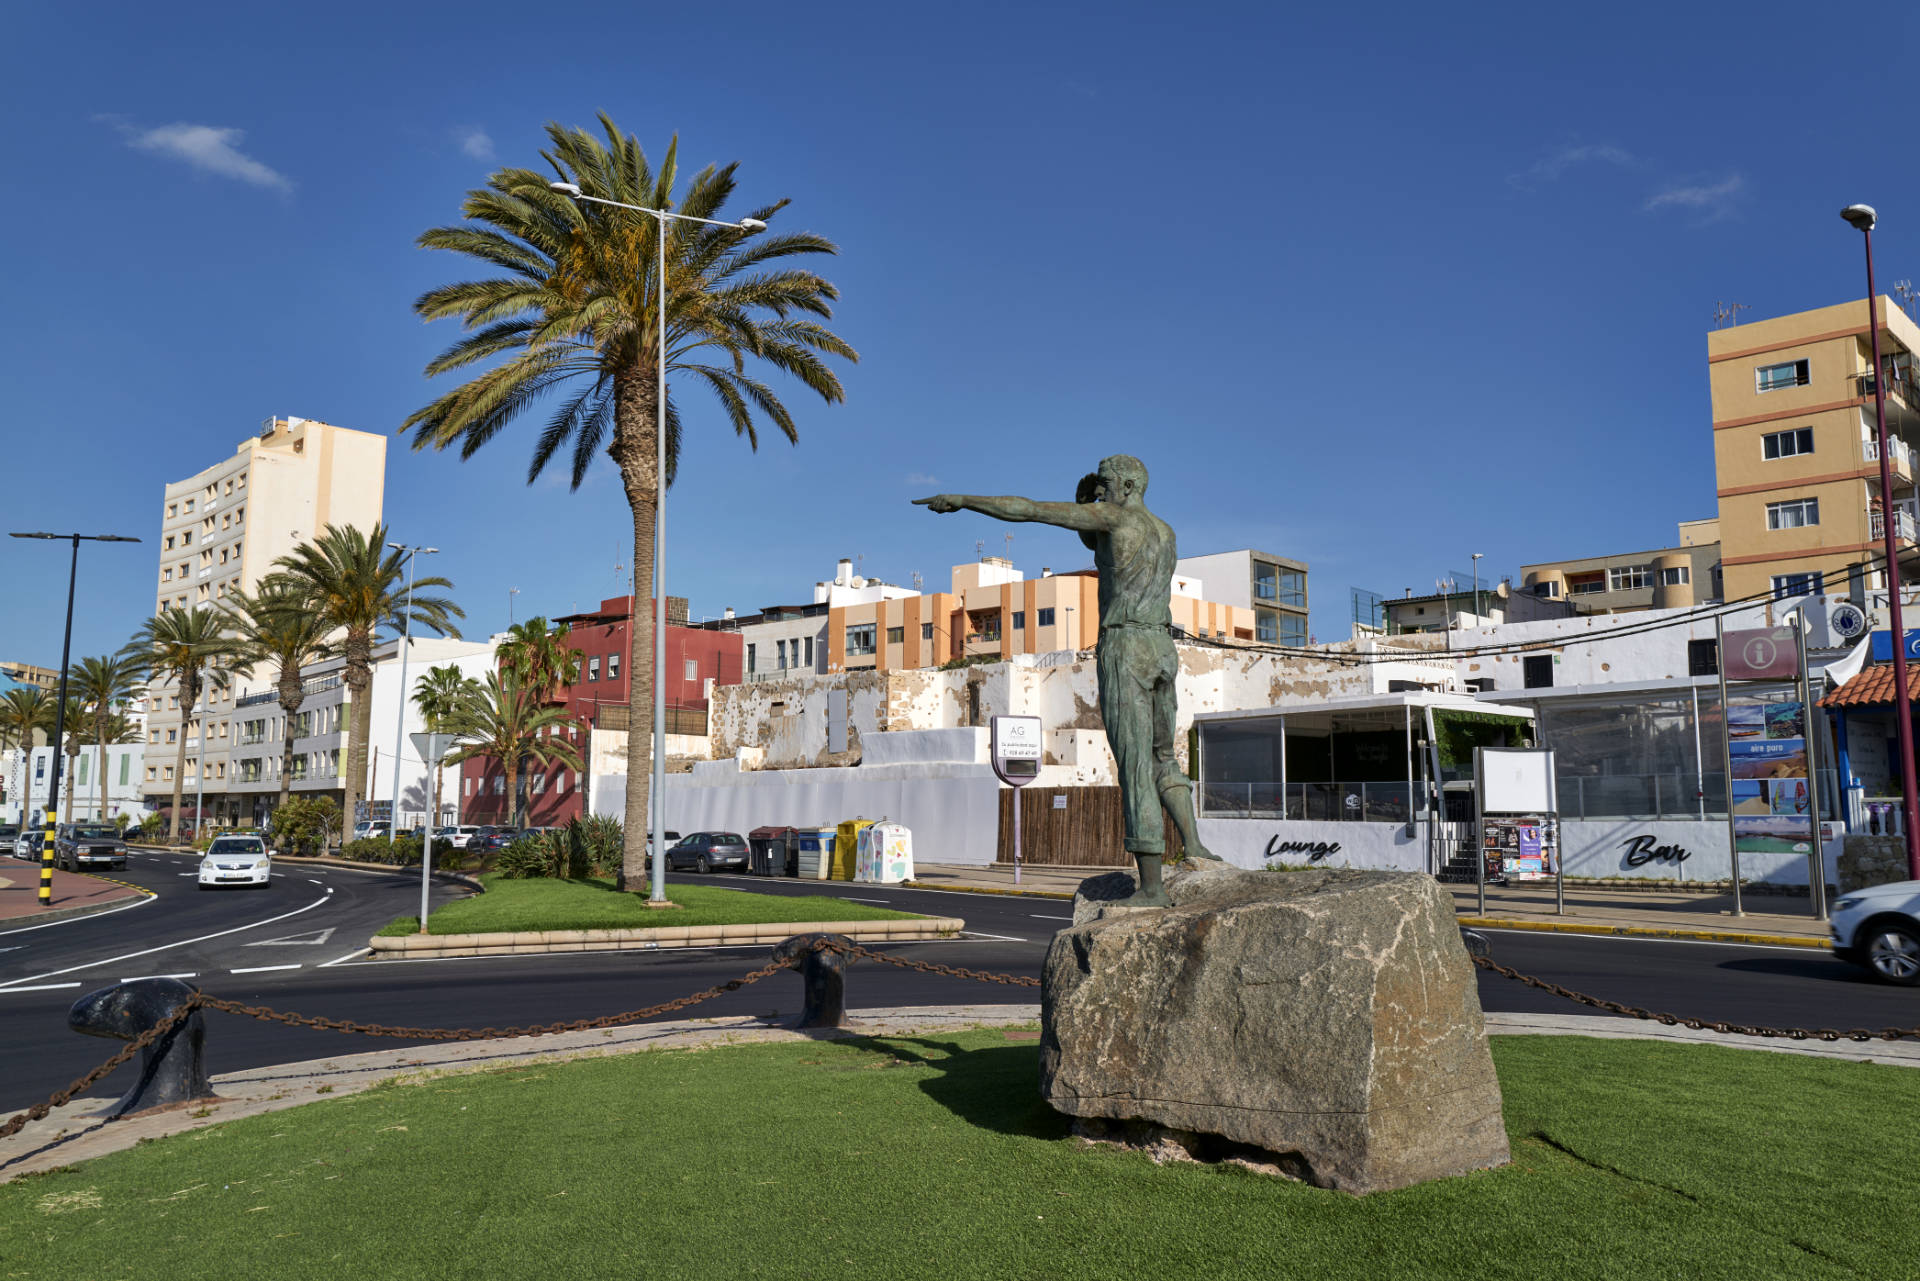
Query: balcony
(1899, 451)
(1904, 522)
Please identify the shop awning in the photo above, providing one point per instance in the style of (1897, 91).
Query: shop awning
(1873, 687)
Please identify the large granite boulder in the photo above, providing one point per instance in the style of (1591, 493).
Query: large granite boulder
(1324, 1022)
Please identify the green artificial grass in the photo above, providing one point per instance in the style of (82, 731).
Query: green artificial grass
(512, 906)
(900, 1158)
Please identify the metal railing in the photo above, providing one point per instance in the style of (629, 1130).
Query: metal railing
(1899, 450)
(1903, 528)
(1310, 802)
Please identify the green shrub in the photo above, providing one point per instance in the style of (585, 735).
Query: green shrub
(529, 857)
(602, 839)
(378, 849)
(305, 825)
(152, 826)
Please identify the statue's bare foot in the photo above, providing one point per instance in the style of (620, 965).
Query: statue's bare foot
(1200, 853)
(1149, 896)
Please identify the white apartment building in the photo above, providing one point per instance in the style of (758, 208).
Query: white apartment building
(220, 532)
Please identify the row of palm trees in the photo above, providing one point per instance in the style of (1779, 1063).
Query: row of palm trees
(98, 691)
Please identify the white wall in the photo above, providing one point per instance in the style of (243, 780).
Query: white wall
(1245, 842)
(1601, 848)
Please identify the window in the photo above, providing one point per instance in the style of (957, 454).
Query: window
(1786, 586)
(150, 773)
(170, 735)
(1043, 617)
(1793, 514)
(1266, 581)
(1293, 587)
(173, 509)
(1293, 629)
(780, 655)
(1537, 671)
(1628, 578)
(1586, 584)
(1793, 373)
(499, 784)
(926, 631)
(469, 783)
(809, 659)
(539, 784)
(593, 668)
(1676, 576)
(186, 538)
(1787, 444)
(1703, 657)
(898, 635)
(1266, 627)
(169, 542)
(1550, 590)
(1019, 620)
(860, 638)
(166, 575)
(692, 669)
(613, 667)
(750, 666)
(187, 506)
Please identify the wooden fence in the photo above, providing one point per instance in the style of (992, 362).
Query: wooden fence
(1070, 826)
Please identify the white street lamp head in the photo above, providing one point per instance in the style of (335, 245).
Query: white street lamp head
(751, 225)
(1861, 216)
(565, 188)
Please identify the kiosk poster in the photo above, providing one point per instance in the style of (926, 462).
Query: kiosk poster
(1767, 747)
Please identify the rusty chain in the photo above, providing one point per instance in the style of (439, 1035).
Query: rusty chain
(1708, 1025)
(59, 1098)
(927, 967)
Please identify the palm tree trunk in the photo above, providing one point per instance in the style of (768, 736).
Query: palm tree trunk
(179, 767)
(635, 425)
(359, 677)
(289, 708)
(100, 763)
(513, 791)
(72, 756)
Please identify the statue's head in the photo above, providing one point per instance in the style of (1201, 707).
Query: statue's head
(1123, 479)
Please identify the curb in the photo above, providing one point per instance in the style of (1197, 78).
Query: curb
(418, 946)
(1647, 931)
(987, 889)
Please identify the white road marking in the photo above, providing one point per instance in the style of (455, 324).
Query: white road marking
(315, 938)
(1038, 917)
(851, 899)
(262, 969)
(44, 987)
(184, 974)
(311, 880)
(112, 960)
(15, 948)
(360, 951)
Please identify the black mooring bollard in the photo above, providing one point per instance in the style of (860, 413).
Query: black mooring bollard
(1477, 944)
(823, 977)
(173, 1069)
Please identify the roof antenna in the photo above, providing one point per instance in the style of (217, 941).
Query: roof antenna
(1009, 548)
(1726, 313)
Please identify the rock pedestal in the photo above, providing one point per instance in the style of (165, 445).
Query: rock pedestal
(1324, 1022)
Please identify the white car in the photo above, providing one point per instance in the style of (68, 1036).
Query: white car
(236, 860)
(457, 837)
(371, 830)
(1879, 928)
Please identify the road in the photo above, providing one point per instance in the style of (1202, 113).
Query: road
(1007, 934)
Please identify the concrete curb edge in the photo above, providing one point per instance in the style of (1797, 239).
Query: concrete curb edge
(985, 889)
(1646, 931)
(421, 946)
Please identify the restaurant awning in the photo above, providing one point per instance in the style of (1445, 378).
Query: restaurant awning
(1873, 687)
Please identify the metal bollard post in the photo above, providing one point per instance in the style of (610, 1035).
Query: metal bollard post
(46, 863)
(823, 975)
(172, 1069)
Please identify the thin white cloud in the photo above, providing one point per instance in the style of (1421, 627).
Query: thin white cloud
(209, 149)
(921, 478)
(1713, 199)
(475, 143)
(1550, 167)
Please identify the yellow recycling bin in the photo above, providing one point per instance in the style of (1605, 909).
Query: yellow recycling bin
(846, 848)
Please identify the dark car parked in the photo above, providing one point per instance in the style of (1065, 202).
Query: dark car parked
(77, 845)
(492, 839)
(704, 851)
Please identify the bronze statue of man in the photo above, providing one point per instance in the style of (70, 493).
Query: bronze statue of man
(1134, 551)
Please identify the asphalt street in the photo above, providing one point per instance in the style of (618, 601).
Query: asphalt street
(1006, 934)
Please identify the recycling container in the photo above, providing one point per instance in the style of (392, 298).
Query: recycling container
(885, 854)
(846, 848)
(770, 850)
(814, 852)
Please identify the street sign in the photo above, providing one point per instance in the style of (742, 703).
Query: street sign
(1016, 752)
(1882, 650)
(432, 747)
(1763, 654)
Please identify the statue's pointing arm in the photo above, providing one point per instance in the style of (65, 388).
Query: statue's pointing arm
(1088, 518)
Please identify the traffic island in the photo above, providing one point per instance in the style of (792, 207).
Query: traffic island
(416, 946)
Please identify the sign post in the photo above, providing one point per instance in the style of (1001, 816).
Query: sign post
(1016, 759)
(1773, 801)
(431, 748)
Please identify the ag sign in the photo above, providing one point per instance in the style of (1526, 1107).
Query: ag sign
(1016, 748)
(1765, 654)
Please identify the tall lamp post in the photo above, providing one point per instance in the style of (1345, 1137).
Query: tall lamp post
(1863, 217)
(657, 791)
(400, 725)
(60, 706)
(1476, 587)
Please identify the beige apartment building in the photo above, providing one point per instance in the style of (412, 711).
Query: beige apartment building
(1795, 461)
(1628, 582)
(993, 611)
(30, 673)
(220, 532)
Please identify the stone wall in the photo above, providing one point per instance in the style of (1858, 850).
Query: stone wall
(1872, 860)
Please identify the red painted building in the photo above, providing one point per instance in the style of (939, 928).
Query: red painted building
(697, 660)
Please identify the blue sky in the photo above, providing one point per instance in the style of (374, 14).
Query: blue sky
(1376, 288)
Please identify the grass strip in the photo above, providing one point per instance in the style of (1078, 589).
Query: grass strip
(514, 906)
(912, 1156)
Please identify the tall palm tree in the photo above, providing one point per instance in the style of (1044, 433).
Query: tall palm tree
(358, 585)
(505, 720)
(540, 656)
(278, 627)
(190, 647)
(23, 712)
(104, 685)
(438, 696)
(579, 305)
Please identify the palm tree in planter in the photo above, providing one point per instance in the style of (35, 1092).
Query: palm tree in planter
(580, 304)
(104, 685)
(501, 718)
(543, 660)
(438, 697)
(358, 585)
(22, 712)
(189, 647)
(278, 627)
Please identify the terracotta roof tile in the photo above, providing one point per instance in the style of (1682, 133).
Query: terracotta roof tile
(1873, 687)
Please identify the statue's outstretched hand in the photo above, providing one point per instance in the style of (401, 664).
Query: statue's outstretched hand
(940, 502)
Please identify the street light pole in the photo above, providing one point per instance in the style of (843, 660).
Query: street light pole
(1476, 587)
(1863, 217)
(657, 789)
(60, 706)
(400, 722)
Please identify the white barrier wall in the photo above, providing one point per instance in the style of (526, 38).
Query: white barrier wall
(1254, 842)
(1676, 850)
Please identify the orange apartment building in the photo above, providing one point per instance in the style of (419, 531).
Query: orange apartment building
(995, 612)
(1795, 460)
